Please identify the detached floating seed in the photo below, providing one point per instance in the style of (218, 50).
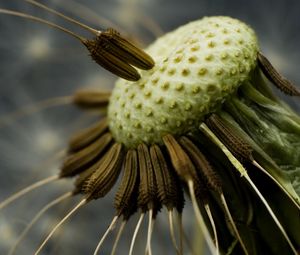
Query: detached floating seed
(108, 49)
(118, 55)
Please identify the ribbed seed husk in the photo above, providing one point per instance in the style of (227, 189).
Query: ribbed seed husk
(180, 160)
(239, 148)
(83, 177)
(275, 77)
(202, 164)
(88, 135)
(103, 179)
(111, 62)
(147, 198)
(185, 168)
(125, 50)
(169, 190)
(126, 196)
(89, 98)
(75, 163)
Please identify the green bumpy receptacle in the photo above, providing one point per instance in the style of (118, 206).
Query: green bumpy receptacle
(197, 67)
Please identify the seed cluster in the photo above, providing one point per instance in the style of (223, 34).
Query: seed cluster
(148, 137)
(197, 67)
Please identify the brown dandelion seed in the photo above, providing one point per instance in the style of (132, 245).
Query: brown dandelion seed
(239, 148)
(187, 172)
(212, 179)
(103, 179)
(125, 50)
(169, 191)
(88, 135)
(77, 162)
(111, 62)
(108, 49)
(277, 79)
(147, 197)
(202, 164)
(91, 99)
(84, 176)
(126, 196)
(238, 166)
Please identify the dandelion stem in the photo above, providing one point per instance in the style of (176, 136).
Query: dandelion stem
(135, 233)
(255, 163)
(200, 219)
(42, 6)
(27, 189)
(121, 229)
(29, 109)
(83, 11)
(277, 222)
(181, 232)
(110, 228)
(211, 219)
(233, 224)
(172, 233)
(36, 218)
(80, 204)
(149, 234)
(30, 17)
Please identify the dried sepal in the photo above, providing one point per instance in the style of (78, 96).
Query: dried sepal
(169, 190)
(89, 98)
(126, 196)
(76, 162)
(202, 164)
(111, 62)
(125, 50)
(238, 147)
(88, 135)
(147, 198)
(275, 77)
(103, 179)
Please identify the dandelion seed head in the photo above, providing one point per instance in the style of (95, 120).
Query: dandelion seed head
(175, 79)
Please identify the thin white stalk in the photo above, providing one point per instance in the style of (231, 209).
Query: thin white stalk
(32, 108)
(172, 232)
(135, 233)
(276, 182)
(244, 174)
(36, 218)
(121, 229)
(233, 224)
(27, 189)
(277, 222)
(181, 232)
(80, 204)
(93, 31)
(110, 228)
(200, 219)
(149, 234)
(212, 222)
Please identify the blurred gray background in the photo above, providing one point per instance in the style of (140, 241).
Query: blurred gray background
(37, 62)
